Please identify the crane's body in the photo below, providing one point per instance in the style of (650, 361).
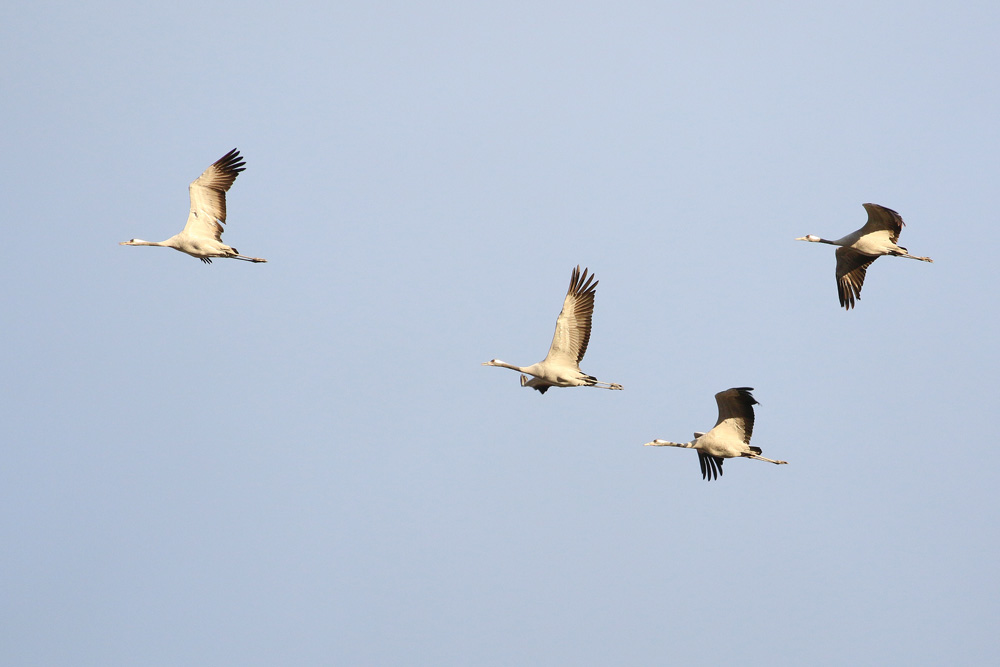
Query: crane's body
(202, 235)
(561, 366)
(730, 438)
(859, 249)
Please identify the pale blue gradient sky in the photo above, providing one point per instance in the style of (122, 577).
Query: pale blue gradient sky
(303, 462)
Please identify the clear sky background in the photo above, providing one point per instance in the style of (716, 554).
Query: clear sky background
(304, 462)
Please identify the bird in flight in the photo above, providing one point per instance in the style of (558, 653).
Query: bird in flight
(860, 248)
(561, 366)
(730, 438)
(202, 235)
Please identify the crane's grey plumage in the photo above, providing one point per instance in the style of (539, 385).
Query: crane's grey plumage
(202, 235)
(731, 436)
(561, 366)
(859, 249)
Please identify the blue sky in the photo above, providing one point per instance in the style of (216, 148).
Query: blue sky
(303, 462)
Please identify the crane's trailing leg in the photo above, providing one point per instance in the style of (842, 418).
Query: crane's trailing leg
(763, 458)
(607, 385)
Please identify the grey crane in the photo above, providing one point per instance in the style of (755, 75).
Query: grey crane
(202, 235)
(561, 366)
(859, 249)
(731, 436)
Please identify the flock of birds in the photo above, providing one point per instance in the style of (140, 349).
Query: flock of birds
(730, 438)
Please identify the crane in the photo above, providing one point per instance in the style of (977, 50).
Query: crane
(859, 249)
(561, 366)
(729, 438)
(202, 235)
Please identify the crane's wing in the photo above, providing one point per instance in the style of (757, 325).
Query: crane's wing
(538, 384)
(881, 219)
(711, 466)
(851, 267)
(569, 343)
(736, 411)
(208, 196)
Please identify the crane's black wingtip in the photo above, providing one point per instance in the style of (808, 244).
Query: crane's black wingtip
(711, 466)
(231, 162)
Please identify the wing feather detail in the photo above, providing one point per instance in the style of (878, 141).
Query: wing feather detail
(711, 466)
(572, 335)
(881, 219)
(208, 196)
(736, 411)
(851, 268)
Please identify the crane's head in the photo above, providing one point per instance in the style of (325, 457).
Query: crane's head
(808, 237)
(492, 362)
(133, 242)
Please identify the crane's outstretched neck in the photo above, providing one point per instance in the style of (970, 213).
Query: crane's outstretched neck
(816, 239)
(667, 443)
(141, 242)
(504, 364)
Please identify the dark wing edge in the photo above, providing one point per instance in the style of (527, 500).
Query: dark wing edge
(851, 269)
(711, 466)
(883, 217)
(535, 384)
(219, 178)
(583, 289)
(737, 403)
